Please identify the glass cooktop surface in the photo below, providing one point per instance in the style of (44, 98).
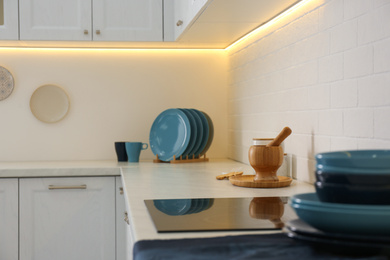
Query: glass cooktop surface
(219, 214)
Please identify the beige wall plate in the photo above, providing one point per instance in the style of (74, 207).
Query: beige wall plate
(49, 103)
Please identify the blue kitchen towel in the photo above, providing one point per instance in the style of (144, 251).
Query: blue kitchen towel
(245, 247)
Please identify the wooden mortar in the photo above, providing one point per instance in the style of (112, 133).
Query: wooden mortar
(266, 159)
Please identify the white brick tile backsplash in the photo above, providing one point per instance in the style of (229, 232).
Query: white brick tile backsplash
(344, 36)
(344, 94)
(378, 3)
(304, 169)
(319, 96)
(295, 121)
(330, 122)
(331, 14)
(325, 74)
(382, 123)
(374, 90)
(364, 144)
(374, 25)
(358, 122)
(358, 62)
(319, 144)
(331, 68)
(311, 48)
(382, 56)
(343, 143)
(355, 8)
(301, 75)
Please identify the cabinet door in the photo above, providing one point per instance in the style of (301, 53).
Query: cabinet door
(55, 20)
(185, 13)
(9, 219)
(120, 223)
(127, 20)
(67, 218)
(182, 16)
(9, 20)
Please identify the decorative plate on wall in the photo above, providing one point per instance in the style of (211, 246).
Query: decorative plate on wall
(6, 83)
(49, 103)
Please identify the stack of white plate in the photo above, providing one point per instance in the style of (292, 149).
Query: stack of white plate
(181, 132)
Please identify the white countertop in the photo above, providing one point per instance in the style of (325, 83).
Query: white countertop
(61, 168)
(148, 180)
(189, 180)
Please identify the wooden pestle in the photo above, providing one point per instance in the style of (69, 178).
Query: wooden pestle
(281, 136)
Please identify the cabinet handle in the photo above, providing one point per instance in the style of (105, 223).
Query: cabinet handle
(98, 32)
(121, 190)
(75, 187)
(126, 219)
(179, 23)
(85, 32)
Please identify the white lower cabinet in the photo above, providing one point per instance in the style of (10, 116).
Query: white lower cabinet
(67, 218)
(120, 222)
(9, 219)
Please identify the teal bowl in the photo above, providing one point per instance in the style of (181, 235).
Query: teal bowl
(353, 194)
(354, 159)
(342, 218)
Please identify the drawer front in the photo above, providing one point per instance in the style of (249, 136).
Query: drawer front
(67, 218)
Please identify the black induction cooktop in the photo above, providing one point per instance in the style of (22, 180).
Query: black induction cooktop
(219, 214)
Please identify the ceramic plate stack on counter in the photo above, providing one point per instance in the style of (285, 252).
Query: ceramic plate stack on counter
(351, 206)
(181, 134)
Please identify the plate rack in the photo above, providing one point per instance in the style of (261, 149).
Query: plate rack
(186, 159)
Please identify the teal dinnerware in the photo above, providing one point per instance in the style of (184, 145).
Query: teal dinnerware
(133, 150)
(211, 134)
(351, 170)
(342, 218)
(170, 134)
(199, 130)
(205, 131)
(361, 159)
(194, 133)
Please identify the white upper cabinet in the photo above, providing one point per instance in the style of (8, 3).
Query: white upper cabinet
(55, 20)
(9, 20)
(98, 20)
(124, 20)
(9, 219)
(185, 11)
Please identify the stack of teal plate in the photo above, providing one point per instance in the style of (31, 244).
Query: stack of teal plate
(351, 205)
(181, 133)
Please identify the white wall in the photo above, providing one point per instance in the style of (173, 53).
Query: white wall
(115, 96)
(324, 71)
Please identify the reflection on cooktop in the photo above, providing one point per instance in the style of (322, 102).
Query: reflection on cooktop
(219, 214)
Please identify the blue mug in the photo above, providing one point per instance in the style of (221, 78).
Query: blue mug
(133, 150)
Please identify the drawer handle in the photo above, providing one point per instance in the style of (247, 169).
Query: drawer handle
(75, 187)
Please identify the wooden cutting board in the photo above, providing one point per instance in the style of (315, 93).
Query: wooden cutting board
(247, 181)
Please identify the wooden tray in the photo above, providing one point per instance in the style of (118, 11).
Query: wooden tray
(183, 160)
(247, 181)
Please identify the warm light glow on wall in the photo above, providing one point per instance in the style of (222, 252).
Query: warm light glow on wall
(269, 23)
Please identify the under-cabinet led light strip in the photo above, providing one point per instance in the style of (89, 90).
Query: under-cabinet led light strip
(269, 23)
